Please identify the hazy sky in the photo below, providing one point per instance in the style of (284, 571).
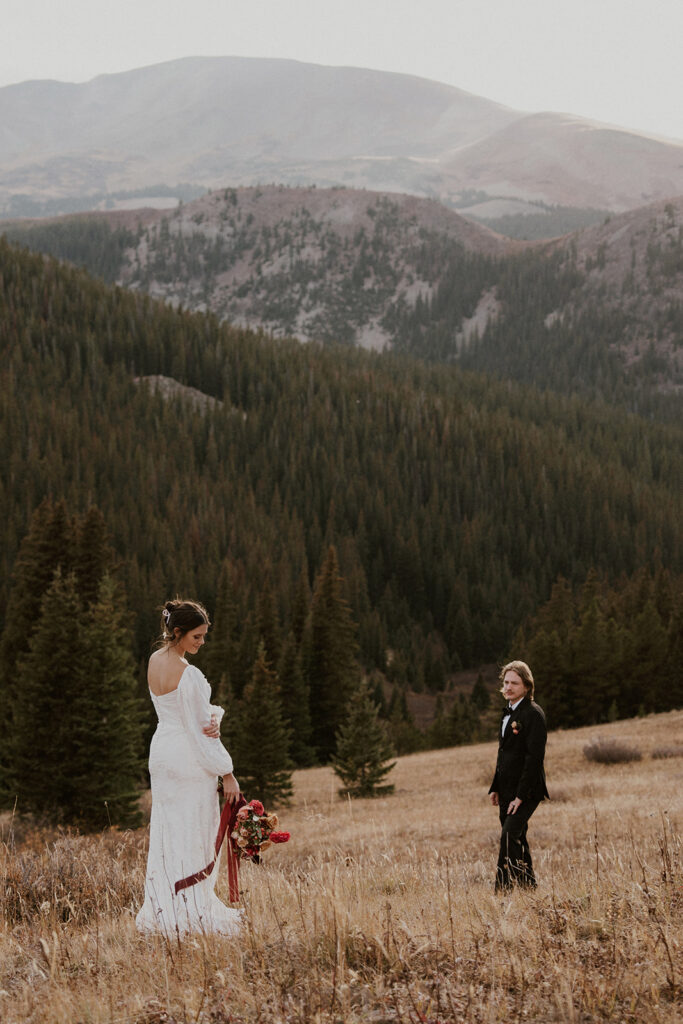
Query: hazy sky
(612, 60)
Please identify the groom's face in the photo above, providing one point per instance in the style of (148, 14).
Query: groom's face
(513, 687)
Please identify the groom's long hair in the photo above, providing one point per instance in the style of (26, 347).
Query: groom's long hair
(524, 673)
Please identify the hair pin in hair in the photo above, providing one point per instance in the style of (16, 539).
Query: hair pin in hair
(166, 615)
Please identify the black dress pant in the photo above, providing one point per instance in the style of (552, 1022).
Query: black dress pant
(514, 857)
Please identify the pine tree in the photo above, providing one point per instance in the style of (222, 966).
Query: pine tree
(300, 605)
(480, 696)
(294, 695)
(363, 749)
(268, 625)
(402, 730)
(44, 747)
(76, 740)
(260, 738)
(245, 654)
(439, 733)
(219, 657)
(646, 651)
(378, 696)
(93, 554)
(329, 656)
(463, 722)
(46, 549)
(109, 774)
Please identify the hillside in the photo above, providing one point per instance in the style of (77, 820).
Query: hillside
(218, 122)
(600, 310)
(380, 910)
(325, 265)
(562, 159)
(597, 312)
(454, 501)
(634, 270)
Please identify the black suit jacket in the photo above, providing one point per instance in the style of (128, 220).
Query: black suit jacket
(519, 767)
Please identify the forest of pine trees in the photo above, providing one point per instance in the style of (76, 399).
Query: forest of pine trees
(341, 514)
(607, 651)
(330, 287)
(72, 723)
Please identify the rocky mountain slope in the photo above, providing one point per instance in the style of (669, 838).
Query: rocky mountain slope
(309, 263)
(632, 269)
(215, 122)
(594, 311)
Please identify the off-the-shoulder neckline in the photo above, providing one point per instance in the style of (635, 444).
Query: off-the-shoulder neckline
(182, 676)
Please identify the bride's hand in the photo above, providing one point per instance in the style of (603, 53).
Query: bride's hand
(231, 788)
(213, 729)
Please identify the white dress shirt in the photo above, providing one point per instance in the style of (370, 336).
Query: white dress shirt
(507, 718)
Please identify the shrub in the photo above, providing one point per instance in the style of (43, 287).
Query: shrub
(674, 751)
(607, 751)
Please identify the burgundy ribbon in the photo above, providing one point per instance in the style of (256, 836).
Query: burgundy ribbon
(225, 826)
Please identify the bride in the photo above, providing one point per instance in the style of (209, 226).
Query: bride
(186, 757)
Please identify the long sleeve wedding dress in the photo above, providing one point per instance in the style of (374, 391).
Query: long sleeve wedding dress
(184, 765)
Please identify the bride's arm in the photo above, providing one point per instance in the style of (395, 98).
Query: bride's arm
(196, 714)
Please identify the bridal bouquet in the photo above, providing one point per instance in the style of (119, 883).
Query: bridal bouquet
(255, 831)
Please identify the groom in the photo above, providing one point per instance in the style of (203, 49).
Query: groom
(519, 783)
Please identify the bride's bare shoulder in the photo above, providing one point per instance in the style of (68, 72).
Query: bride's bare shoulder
(164, 671)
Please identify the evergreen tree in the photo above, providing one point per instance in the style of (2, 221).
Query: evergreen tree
(463, 722)
(93, 554)
(219, 656)
(402, 730)
(294, 695)
(459, 634)
(439, 733)
(268, 625)
(260, 739)
(647, 651)
(378, 696)
(46, 549)
(480, 696)
(108, 770)
(330, 657)
(300, 605)
(246, 652)
(76, 740)
(364, 750)
(48, 733)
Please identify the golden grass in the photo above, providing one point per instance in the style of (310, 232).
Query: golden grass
(383, 911)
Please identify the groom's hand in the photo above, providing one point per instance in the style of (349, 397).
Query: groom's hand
(513, 805)
(494, 799)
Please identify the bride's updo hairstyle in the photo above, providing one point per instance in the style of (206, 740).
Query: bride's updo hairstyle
(182, 615)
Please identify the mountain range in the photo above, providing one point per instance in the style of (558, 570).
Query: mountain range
(217, 122)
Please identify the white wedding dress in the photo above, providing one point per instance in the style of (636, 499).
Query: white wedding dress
(184, 765)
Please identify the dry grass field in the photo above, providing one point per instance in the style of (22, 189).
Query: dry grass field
(382, 911)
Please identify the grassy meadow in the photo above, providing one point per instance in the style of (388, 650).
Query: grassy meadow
(382, 911)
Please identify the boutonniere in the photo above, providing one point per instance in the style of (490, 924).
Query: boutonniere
(516, 726)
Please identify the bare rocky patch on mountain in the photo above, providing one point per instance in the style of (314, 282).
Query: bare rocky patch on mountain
(308, 263)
